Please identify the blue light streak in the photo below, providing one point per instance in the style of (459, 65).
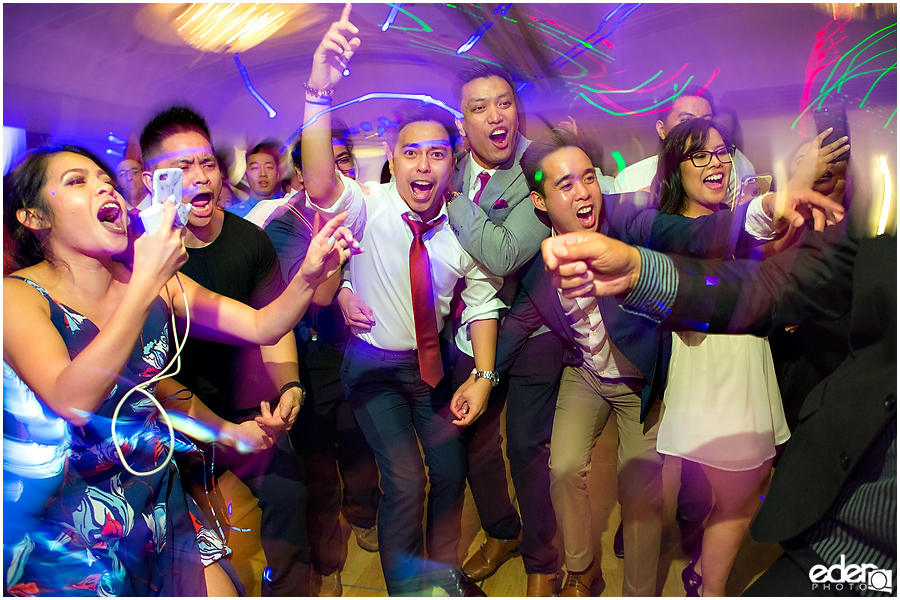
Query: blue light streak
(395, 8)
(473, 39)
(373, 96)
(251, 89)
(590, 41)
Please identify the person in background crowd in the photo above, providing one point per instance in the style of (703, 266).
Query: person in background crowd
(263, 176)
(326, 435)
(128, 177)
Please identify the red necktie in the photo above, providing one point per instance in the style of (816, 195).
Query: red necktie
(421, 282)
(483, 178)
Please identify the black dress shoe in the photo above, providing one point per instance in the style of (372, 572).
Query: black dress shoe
(619, 542)
(456, 583)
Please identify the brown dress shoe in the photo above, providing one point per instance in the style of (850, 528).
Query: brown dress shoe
(490, 556)
(586, 583)
(325, 585)
(542, 584)
(367, 539)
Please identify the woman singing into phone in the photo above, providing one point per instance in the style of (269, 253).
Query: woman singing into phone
(723, 409)
(80, 329)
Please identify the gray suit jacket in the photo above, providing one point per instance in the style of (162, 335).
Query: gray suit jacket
(503, 231)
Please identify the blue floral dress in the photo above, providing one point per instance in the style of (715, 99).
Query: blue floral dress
(75, 521)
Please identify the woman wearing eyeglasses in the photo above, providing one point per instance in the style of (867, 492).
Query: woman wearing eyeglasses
(722, 404)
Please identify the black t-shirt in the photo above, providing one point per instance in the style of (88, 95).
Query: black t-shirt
(291, 235)
(240, 263)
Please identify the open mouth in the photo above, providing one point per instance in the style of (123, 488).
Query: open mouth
(585, 216)
(110, 214)
(421, 190)
(202, 205)
(499, 137)
(826, 176)
(715, 181)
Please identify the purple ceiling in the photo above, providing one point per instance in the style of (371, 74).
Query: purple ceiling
(78, 71)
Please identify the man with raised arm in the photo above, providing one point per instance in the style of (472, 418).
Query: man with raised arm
(395, 373)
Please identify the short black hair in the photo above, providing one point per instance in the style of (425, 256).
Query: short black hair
(545, 145)
(295, 155)
(175, 119)
(479, 70)
(687, 92)
(272, 147)
(430, 112)
(668, 185)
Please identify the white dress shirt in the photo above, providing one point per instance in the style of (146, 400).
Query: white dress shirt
(474, 170)
(380, 275)
(599, 353)
(260, 214)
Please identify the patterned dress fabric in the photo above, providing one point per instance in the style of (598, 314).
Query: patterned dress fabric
(76, 522)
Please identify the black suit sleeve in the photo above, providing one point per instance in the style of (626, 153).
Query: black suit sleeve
(813, 279)
(521, 322)
(719, 235)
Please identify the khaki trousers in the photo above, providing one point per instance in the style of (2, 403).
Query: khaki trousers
(582, 409)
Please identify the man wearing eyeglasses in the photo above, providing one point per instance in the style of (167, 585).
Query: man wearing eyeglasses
(693, 103)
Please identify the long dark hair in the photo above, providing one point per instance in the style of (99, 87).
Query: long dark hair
(23, 247)
(668, 186)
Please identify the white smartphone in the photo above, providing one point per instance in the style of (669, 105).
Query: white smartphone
(167, 182)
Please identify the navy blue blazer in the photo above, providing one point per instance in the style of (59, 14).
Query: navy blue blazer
(537, 301)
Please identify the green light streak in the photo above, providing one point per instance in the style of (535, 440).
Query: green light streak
(584, 70)
(834, 69)
(511, 20)
(821, 97)
(422, 24)
(620, 162)
(591, 47)
(634, 89)
(866, 97)
(893, 114)
(634, 112)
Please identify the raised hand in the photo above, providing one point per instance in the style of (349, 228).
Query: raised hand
(158, 257)
(812, 160)
(334, 52)
(796, 206)
(328, 250)
(591, 264)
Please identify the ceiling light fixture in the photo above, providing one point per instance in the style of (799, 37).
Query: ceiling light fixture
(232, 27)
(856, 10)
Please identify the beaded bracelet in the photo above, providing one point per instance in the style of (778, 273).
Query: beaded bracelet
(317, 93)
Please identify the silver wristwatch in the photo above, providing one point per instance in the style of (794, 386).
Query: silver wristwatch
(491, 376)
